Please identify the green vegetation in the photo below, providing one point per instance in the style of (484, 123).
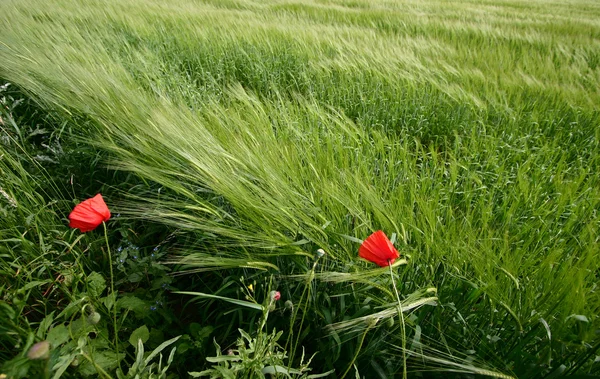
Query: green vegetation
(234, 139)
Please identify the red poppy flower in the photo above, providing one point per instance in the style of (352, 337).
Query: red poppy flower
(87, 215)
(378, 249)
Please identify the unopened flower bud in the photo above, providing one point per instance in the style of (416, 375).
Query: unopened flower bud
(320, 253)
(94, 318)
(275, 295)
(288, 304)
(40, 350)
(390, 322)
(371, 321)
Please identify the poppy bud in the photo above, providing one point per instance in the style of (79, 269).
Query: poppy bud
(288, 304)
(94, 318)
(371, 321)
(390, 322)
(40, 350)
(320, 253)
(275, 295)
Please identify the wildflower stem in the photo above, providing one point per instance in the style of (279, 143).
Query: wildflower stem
(362, 340)
(112, 292)
(402, 324)
(294, 346)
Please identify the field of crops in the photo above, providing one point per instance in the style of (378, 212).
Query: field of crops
(247, 148)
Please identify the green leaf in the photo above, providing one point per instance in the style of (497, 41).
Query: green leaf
(199, 332)
(242, 303)
(106, 360)
(135, 277)
(581, 318)
(71, 308)
(350, 238)
(95, 284)
(139, 359)
(64, 361)
(30, 285)
(200, 374)
(160, 348)
(225, 373)
(301, 242)
(18, 367)
(109, 301)
(217, 372)
(140, 333)
(45, 325)
(6, 311)
(337, 346)
(132, 303)
(323, 375)
(272, 370)
(224, 358)
(171, 356)
(58, 335)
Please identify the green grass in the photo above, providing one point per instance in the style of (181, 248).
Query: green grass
(259, 132)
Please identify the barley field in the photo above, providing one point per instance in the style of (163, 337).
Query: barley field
(247, 148)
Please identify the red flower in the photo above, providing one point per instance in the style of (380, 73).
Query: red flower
(378, 249)
(88, 214)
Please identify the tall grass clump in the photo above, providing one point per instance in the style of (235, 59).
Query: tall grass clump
(259, 134)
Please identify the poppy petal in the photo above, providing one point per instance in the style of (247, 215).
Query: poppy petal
(99, 206)
(84, 212)
(377, 248)
(88, 214)
(82, 225)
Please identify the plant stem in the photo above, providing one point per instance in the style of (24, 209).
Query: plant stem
(402, 325)
(308, 287)
(295, 310)
(112, 293)
(362, 340)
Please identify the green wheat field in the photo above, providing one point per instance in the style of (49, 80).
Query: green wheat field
(249, 146)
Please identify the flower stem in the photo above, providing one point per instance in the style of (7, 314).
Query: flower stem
(402, 324)
(112, 293)
(362, 340)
